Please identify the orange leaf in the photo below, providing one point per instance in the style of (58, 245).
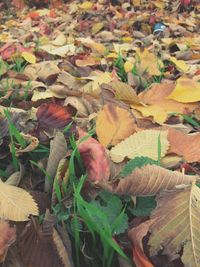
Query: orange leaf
(186, 145)
(113, 125)
(136, 235)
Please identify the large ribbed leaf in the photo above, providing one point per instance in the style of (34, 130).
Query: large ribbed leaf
(15, 203)
(149, 180)
(176, 225)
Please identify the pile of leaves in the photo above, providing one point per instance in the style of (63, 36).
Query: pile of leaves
(99, 134)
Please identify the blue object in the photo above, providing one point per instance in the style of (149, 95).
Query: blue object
(159, 27)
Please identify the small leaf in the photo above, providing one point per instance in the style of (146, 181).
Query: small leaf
(30, 58)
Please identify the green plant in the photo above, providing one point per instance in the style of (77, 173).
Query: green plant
(14, 136)
(119, 64)
(19, 65)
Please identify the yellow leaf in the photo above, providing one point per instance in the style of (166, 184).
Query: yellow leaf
(60, 40)
(16, 204)
(97, 27)
(150, 62)
(125, 92)
(88, 42)
(113, 125)
(186, 91)
(158, 112)
(30, 58)
(141, 144)
(38, 95)
(128, 66)
(127, 39)
(86, 5)
(180, 64)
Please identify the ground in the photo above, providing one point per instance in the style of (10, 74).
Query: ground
(99, 133)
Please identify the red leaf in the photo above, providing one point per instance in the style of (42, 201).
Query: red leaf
(53, 116)
(185, 2)
(7, 237)
(94, 158)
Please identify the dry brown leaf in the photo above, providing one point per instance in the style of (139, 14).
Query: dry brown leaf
(46, 71)
(113, 125)
(61, 249)
(36, 244)
(7, 237)
(124, 92)
(175, 229)
(149, 180)
(136, 235)
(58, 151)
(143, 143)
(186, 145)
(16, 204)
(33, 144)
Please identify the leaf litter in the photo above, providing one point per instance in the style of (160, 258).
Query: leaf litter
(99, 133)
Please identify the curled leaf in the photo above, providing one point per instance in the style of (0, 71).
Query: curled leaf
(94, 158)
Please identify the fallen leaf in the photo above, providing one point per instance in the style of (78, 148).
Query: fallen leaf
(180, 64)
(143, 143)
(94, 158)
(58, 151)
(150, 180)
(61, 249)
(186, 145)
(150, 62)
(118, 124)
(124, 92)
(30, 58)
(33, 143)
(7, 237)
(16, 203)
(186, 91)
(53, 116)
(175, 227)
(136, 235)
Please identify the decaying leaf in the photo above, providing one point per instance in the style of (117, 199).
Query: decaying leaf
(176, 225)
(46, 71)
(33, 143)
(118, 124)
(53, 116)
(36, 244)
(16, 204)
(61, 179)
(143, 143)
(58, 151)
(136, 235)
(149, 180)
(7, 237)
(61, 249)
(94, 158)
